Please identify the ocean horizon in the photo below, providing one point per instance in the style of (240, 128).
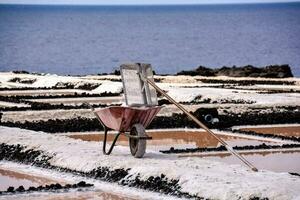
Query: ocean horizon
(80, 40)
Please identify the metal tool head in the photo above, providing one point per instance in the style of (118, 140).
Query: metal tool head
(136, 89)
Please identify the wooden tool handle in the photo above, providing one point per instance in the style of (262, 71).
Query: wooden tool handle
(228, 147)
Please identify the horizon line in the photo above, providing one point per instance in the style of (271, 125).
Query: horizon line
(147, 4)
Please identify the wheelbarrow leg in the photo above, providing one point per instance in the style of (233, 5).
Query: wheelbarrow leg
(113, 143)
(105, 134)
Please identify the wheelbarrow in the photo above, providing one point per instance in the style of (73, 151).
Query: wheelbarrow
(128, 121)
(132, 119)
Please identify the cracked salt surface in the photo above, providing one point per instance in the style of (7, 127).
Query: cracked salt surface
(205, 178)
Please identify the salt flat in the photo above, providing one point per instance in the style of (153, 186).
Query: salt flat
(209, 179)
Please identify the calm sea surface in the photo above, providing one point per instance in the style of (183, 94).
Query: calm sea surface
(86, 40)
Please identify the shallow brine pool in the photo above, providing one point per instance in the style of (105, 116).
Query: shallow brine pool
(276, 130)
(164, 139)
(278, 161)
(71, 195)
(15, 179)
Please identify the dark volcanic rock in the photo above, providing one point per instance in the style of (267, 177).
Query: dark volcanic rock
(294, 174)
(20, 72)
(272, 71)
(58, 125)
(278, 71)
(52, 188)
(282, 115)
(22, 80)
(245, 71)
(81, 184)
(31, 188)
(201, 71)
(116, 72)
(10, 189)
(20, 189)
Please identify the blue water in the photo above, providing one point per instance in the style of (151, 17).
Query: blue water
(89, 40)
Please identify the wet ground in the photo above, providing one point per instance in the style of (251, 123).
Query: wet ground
(72, 195)
(277, 130)
(280, 161)
(15, 179)
(163, 140)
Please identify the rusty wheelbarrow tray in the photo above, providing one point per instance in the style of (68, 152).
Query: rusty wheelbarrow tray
(128, 121)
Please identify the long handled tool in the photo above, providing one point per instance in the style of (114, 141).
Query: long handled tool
(229, 148)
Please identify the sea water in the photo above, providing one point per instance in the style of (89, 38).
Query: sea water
(97, 39)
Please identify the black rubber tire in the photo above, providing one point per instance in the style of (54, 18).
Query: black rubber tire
(137, 147)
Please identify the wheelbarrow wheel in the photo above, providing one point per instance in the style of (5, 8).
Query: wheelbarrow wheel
(137, 146)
